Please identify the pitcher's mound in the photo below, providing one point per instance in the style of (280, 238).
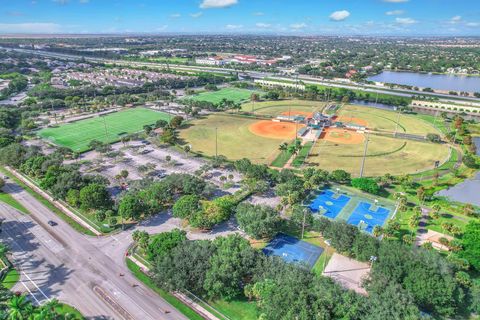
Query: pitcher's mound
(275, 130)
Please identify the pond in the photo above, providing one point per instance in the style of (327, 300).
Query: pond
(467, 192)
(426, 80)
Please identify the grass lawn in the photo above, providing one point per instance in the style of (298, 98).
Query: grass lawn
(274, 108)
(240, 309)
(177, 304)
(75, 225)
(215, 97)
(77, 135)
(235, 140)
(11, 278)
(281, 159)
(8, 199)
(302, 155)
(64, 309)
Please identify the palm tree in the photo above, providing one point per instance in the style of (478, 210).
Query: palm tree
(283, 147)
(18, 308)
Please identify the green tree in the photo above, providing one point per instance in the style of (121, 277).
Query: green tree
(258, 221)
(471, 244)
(131, 207)
(162, 243)
(95, 196)
(186, 206)
(185, 266)
(232, 262)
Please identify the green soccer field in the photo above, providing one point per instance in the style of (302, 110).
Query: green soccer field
(215, 97)
(77, 135)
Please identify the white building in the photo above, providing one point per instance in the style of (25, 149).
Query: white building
(216, 61)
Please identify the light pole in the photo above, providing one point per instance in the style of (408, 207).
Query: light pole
(303, 223)
(364, 156)
(216, 143)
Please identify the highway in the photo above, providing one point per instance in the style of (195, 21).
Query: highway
(259, 75)
(88, 273)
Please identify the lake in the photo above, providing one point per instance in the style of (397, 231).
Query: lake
(476, 140)
(434, 81)
(469, 190)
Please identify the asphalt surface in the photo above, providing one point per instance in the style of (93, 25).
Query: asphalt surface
(254, 74)
(88, 273)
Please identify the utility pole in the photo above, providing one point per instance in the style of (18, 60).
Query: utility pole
(364, 155)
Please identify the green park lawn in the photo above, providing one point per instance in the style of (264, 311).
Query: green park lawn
(8, 199)
(64, 309)
(233, 94)
(274, 108)
(11, 278)
(109, 128)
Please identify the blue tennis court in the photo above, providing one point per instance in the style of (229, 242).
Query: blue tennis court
(367, 219)
(291, 249)
(328, 204)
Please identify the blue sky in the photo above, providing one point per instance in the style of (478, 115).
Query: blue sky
(301, 17)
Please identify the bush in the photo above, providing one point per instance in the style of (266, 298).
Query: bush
(366, 184)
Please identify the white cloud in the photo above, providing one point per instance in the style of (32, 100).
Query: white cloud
(473, 24)
(258, 14)
(234, 26)
(175, 15)
(298, 26)
(455, 19)
(30, 27)
(162, 28)
(196, 15)
(262, 25)
(339, 15)
(394, 12)
(396, 1)
(405, 21)
(61, 2)
(217, 3)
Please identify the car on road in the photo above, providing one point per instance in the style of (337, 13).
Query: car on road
(52, 223)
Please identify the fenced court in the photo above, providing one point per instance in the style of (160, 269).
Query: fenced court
(354, 207)
(291, 249)
(366, 216)
(329, 204)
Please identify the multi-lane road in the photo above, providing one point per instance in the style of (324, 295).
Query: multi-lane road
(86, 272)
(371, 88)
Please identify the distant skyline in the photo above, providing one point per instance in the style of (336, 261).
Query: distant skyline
(286, 17)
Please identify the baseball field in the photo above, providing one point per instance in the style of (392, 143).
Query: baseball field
(215, 97)
(109, 128)
(340, 148)
(236, 137)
